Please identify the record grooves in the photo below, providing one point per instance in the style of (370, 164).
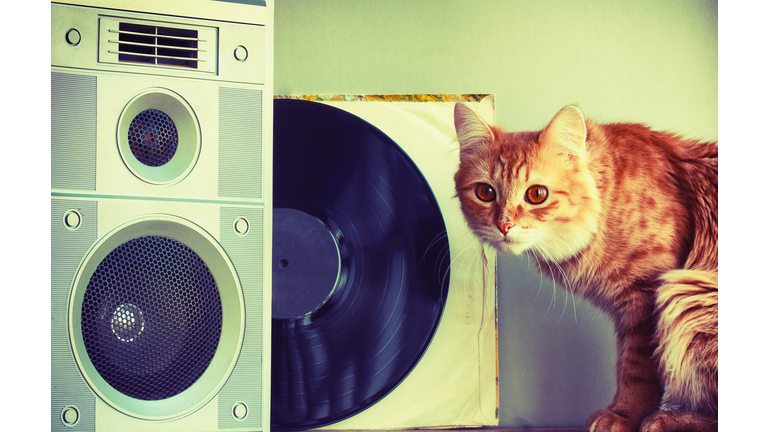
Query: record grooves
(357, 292)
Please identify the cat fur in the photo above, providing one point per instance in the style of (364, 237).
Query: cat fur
(630, 223)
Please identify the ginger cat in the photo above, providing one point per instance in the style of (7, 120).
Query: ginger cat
(626, 217)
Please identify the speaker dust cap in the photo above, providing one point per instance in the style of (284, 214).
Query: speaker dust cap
(158, 136)
(156, 317)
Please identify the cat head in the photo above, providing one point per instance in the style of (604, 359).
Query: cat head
(528, 190)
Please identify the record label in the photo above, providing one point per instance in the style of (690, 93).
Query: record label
(306, 264)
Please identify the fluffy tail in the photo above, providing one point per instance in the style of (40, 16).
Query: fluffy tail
(686, 305)
(698, 182)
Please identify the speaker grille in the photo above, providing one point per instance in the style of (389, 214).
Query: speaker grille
(73, 131)
(240, 143)
(153, 137)
(246, 384)
(157, 45)
(67, 250)
(151, 318)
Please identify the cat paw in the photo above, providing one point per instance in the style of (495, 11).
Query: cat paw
(658, 422)
(603, 420)
(678, 421)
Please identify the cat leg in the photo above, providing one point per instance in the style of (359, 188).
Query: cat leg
(638, 386)
(687, 352)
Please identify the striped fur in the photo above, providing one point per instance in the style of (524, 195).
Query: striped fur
(630, 223)
(687, 339)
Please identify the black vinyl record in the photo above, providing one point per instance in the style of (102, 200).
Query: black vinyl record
(360, 252)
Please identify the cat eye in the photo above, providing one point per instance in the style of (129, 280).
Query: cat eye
(485, 192)
(536, 194)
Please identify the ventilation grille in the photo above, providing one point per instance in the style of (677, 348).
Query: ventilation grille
(155, 44)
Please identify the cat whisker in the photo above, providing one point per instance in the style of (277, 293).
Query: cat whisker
(568, 286)
(434, 241)
(453, 256)
(574, 253)
(453, 260)
(529, 262)
(538, 264)
(554, 283)
(444, 252)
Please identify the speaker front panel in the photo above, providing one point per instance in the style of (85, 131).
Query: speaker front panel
(72, 401)
(156, 137)
(148, 105)
(73, 132)
(158, 315)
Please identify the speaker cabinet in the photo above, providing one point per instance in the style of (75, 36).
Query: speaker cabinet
(161, 215)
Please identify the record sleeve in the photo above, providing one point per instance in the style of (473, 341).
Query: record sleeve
(453, 380)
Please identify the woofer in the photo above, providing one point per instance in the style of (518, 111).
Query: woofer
(156, 317)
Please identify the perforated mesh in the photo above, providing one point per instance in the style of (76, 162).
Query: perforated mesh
(153, 137)
(151, 318)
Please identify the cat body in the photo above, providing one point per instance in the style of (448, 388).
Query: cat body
(626, 217)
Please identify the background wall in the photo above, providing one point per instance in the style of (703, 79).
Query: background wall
(619, 60)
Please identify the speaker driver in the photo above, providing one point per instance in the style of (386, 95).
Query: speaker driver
(153, 137)
(156, 317)
(158, 136)
(151, 318)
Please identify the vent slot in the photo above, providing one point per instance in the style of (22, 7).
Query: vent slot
(155, 45)
(179, 46)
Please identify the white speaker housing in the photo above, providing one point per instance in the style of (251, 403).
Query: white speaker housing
(209, 69)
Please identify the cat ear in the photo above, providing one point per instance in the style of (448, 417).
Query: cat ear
(568, 131)
(486, 109)
(473, 132)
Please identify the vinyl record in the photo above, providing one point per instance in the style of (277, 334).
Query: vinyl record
(360, 257)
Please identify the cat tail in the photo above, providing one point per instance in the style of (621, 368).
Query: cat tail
(686, 306)
(698, 181)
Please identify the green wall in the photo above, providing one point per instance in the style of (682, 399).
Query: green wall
(648, 61)
(653, 61)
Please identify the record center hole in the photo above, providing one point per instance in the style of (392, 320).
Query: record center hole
(283, 263)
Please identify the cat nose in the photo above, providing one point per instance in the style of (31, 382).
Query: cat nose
(504, 227)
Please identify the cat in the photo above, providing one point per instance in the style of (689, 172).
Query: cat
(626, 217)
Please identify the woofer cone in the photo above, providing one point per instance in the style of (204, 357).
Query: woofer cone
(151, 318)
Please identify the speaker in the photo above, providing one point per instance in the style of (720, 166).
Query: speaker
(161, 215)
